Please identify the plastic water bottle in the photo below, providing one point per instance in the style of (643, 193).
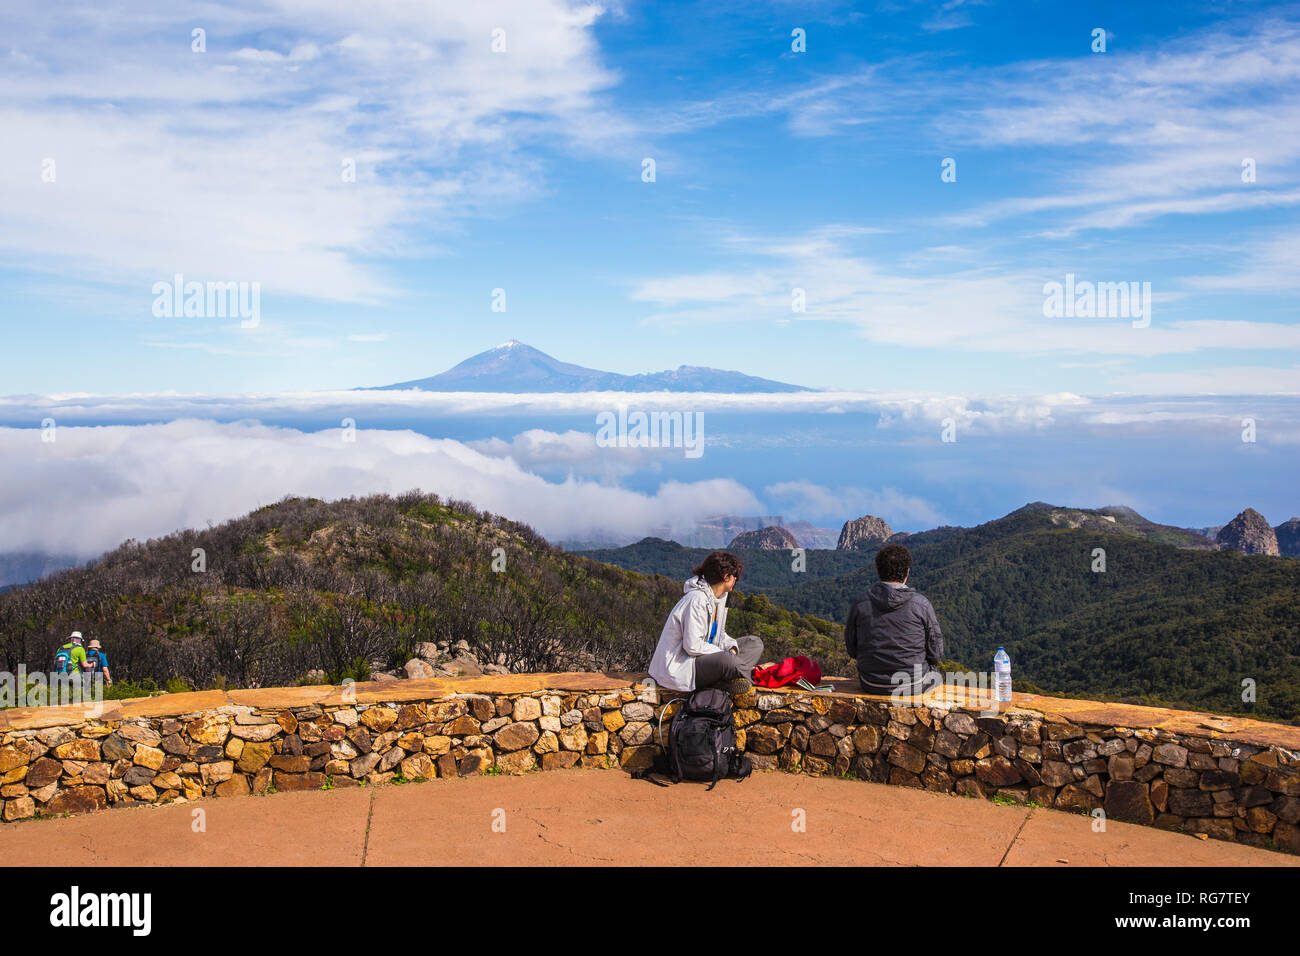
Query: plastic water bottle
(1002, 675)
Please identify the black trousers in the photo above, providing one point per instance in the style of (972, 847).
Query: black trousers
(711, 670)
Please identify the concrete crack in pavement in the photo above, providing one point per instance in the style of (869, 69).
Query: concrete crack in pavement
(90, 849)
(370, 815)
(561, 846)
(1016, 837)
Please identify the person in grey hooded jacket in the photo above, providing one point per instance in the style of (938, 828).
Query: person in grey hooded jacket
(893, 632)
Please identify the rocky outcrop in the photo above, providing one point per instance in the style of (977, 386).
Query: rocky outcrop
(765, 539)
(863, 534)
(1249, 532)
(1288, 538)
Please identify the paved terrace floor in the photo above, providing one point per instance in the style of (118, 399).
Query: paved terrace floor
(576, 818)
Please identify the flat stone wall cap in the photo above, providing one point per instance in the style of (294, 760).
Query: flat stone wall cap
(72, 715)
(376, 692)
(263, 698)
(593, 682)
(944, 696)
(532, 683)
(172, 705)
(430, 688)
(1186, 722)
(843, 685)
(631, 677)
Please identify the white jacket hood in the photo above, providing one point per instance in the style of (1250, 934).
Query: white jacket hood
(697, 583)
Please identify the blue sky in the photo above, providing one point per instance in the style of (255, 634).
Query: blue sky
(130, 155)
(775, 170)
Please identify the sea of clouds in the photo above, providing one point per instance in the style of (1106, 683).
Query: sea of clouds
(140, 466)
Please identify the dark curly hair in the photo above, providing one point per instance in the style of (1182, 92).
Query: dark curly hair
(718, 565)
(893, 561)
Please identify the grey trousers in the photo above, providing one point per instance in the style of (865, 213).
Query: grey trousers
(711, 670)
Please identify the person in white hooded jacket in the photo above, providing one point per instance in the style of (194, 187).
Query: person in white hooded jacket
(694, 650)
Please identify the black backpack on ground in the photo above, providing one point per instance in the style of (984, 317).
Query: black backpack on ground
(701, 742)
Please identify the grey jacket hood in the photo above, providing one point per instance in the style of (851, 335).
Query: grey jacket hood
(889, 597)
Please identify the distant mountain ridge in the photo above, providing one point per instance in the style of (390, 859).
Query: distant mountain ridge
(866, 535)
(1168, 618)
(18, 568)
(1288, 537)
(716, 532)
(514, 367)
(868, 532)
(719, 530)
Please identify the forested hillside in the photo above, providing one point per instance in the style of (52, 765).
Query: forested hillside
(351, 586)
(764, 569)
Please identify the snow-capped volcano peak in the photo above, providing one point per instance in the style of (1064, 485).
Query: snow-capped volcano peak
(514, 366)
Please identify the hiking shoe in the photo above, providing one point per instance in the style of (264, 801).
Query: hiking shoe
(738, 687)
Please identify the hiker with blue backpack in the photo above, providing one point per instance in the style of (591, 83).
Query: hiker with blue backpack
(97, 663)
(70, 658)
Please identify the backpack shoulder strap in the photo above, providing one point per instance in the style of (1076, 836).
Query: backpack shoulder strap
(719, 758)
(660, 766)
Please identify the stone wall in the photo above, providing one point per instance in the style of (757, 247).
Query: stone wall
(1228, 778)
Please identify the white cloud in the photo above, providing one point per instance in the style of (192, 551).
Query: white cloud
(227, 164)
(1150, 133)
(897, 413)
(896, 410)
(1126, 136)
(572, 451)
(1230, 380)
(712, 287)
(988, 309)
(94, 487)
(1269, 265)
